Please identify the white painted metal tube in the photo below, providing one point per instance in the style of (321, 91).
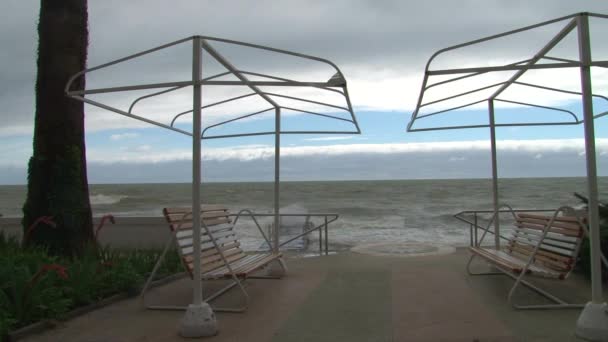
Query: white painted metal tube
(494, 174)
(593, 210)
(196, 169)
(277, 176)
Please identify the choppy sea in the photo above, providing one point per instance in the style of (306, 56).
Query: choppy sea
(370, 211)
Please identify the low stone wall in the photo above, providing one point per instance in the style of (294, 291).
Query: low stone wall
(133, 232)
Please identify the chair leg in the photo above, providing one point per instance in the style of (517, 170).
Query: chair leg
(215, 295)
(235, 282)
(161, 257)
(478, 273)
(283, 267)
(559, 303)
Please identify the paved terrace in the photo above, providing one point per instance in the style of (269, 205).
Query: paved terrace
(349, 297)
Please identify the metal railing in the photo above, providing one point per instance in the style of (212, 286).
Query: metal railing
(473, 217)
(321, 228)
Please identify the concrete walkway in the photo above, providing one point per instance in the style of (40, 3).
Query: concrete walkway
(348, 297)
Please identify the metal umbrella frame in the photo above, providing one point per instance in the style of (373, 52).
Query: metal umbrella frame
(336, 84)
(580, 23)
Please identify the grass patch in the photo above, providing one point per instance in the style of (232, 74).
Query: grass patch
(35, 285)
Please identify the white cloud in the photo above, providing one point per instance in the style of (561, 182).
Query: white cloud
(123, 136)
(255, 152)
(143, 148)
(329, 138)
(382, 47)
(538, 156)
(457, 159)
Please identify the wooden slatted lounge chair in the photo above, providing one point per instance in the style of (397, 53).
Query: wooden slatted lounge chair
(221, 253)
(544, 246)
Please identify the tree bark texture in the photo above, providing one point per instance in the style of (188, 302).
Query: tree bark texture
(57, 176)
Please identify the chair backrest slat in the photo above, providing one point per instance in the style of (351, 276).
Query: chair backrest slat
(218, 223)
(559, 247)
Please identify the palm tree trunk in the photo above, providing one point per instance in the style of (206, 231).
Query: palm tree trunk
(57, 177)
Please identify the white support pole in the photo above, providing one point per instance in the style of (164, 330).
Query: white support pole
(196, 170)
(199, 320)
(277, 176)
(592, 324)
(277, 268)
(494, 173)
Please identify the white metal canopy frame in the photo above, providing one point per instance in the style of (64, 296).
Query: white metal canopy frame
(593, 322)
(336, 85)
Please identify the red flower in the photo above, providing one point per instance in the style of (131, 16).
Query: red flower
(59, 269)
(44, 219)
(102, 222)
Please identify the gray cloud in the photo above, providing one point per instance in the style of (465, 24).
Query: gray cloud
(392, 39)
(400, 165)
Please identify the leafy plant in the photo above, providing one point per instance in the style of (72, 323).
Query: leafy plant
(30, 290)
(83, 285)
(35, 286)
(585, 253)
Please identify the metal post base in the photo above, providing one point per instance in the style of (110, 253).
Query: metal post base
(592, 324)
(199, 321)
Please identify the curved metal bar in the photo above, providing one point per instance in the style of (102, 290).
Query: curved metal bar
(320, 132)
(462, 94)
(502, 207)
(572, 23)
(235, 119)
(600, 115)
(558, 90)
(80, 73)
(172, 89)
(211, 105)
(539, 106)
(470, 75)
(552, 43)
(133, 116)
(451, 109)
(218, 57)
(130, 88)
(507, 68)
(152, 95)
(305, 100)
(252, 216)
(350, 109)
(477, 41)
(559, 59)
(445, 128)
(499, 35)
(305, 84)
(238, 135)
(308, 231)
(282, 132)
(216, 76)
(267, 48)
(319, 114)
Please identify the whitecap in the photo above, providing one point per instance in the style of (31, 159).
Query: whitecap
(101, 199)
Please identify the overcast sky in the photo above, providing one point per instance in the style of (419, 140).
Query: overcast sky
(381, 47)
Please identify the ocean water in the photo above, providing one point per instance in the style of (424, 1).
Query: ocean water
(370, 211)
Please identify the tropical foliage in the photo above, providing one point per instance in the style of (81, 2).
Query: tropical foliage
(35, 285)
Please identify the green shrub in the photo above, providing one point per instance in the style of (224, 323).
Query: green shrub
(31, 288)
(32, 284)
